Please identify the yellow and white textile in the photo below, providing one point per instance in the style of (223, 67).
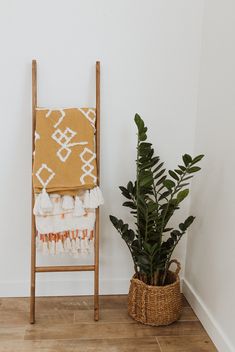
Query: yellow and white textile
(65, 178)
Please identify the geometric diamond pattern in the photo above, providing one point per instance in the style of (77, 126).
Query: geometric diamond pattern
(48, 176)
(87, 156)
(63, 138)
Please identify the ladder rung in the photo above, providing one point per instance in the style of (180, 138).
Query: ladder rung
(48, 269)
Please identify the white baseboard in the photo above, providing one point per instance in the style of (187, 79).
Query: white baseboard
(213, 329)
(63, 287)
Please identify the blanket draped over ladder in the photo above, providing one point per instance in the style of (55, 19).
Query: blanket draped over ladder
(65, 180)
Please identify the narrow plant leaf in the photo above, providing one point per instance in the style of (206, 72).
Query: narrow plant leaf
(186, 159)
(169, 184)
(125, 192)
(182, 195)
(174, 175)
(197, 159)
(194, 169)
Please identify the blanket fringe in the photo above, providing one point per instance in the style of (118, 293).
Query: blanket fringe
(71, 242)
(92, 199)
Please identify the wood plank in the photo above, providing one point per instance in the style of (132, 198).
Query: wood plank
(121, 316)
(97, 221)
(188, 314)
(16, 333)
(118, 345)
(103, 330)
(57, 268)
(14, 304)
(33, 227)
(106, 316)
(186, 344)
(80, 303)
(11, 318)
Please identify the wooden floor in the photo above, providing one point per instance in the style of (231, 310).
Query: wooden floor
(65, 324)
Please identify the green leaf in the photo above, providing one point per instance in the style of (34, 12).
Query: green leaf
(113, 220)
(142, 136)
(160, 173)
(143, 260)
(177, 233)
(128, 235)
(169, 184)
(145, 145)
(194, 169)
(119, 223)
(139, 122)
(124, 228)
(182, 195)
(146, 181)
(186, 159)
(189, 221)
(183, 168)
(168, 229)
(161, 180)
(129, 204)
(158, 167)
(125, 192)
(182, 227)
(179, 172)
(130, 187)
(197, 159)
(174, 175)
(164, 195)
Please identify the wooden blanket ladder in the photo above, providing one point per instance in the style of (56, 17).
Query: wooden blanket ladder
(46, 269)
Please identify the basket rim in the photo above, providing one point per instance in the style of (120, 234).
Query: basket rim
(139, 282)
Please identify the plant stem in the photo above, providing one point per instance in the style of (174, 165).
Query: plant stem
(137, 189)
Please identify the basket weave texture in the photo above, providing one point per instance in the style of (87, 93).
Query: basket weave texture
(156, 305)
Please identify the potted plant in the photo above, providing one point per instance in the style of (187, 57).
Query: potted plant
(154, 297)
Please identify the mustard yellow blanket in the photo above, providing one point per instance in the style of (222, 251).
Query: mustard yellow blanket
(65, 179)
(65, 159)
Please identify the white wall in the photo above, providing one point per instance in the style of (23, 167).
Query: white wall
(149, 53)
(209, 275)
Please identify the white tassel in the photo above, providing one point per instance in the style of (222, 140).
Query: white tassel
(59, 247)
(93, 198)
(74, 250)
(86, 243)
(86, 202)
(45, 250)
(99, 195)
(68, 244)
(37, 206)
(38, 243)
(52, 247)
(77, 243)
(91, 245)
(65, 246)
(83, 246)
(68, 203)
(45, 202)
(78, 207)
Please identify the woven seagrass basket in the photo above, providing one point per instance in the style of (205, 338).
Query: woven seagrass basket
(156, 305)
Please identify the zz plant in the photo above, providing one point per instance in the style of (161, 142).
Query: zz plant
(153, 199)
